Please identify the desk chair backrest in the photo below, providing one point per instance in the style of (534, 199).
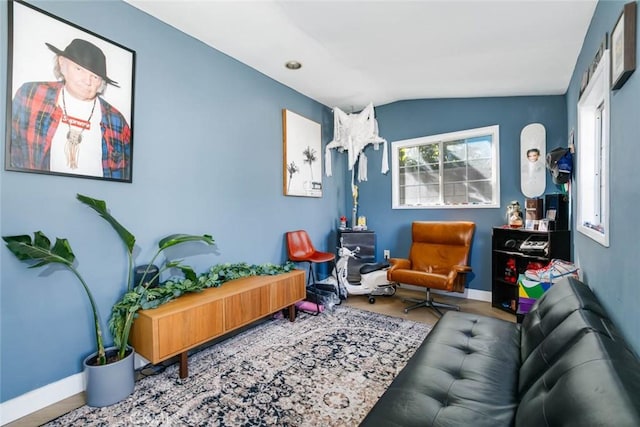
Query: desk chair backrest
(299, 246)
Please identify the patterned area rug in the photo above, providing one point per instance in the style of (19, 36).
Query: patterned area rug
(327, 370)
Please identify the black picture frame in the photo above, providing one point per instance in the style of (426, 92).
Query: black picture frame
(39, 137)
(623, 46)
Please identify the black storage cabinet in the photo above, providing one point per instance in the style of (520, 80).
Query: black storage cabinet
(507, 245)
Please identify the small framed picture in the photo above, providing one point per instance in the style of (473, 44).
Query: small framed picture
(543, 225)
(623, 46)
(531, 224)
(584, 81)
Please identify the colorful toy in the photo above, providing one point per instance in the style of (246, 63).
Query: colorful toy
(530, 288)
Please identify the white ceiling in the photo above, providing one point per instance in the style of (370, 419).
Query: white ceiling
(356, 52)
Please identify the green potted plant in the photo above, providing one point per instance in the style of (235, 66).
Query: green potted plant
(110, 371)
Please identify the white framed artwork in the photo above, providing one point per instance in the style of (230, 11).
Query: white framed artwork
(302, 163)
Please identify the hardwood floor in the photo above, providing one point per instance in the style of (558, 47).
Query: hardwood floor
(394, 306)
(50, 412)
(389, 305)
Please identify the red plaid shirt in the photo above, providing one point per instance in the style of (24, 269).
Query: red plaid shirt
(35, 118)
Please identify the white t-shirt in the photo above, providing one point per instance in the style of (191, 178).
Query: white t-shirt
(534, 168)
(89, 153)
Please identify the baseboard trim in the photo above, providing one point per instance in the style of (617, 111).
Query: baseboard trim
(42, 397)
(474, 294)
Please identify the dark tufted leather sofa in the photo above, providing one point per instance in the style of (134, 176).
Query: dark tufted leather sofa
(565, 365)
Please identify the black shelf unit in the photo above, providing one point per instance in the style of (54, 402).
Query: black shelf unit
(507, 248)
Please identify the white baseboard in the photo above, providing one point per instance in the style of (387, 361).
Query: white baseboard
(42, 397)
(474, 294)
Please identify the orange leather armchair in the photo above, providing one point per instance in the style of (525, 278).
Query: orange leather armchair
(438, 259)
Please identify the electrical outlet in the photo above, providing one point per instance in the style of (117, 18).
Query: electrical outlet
(387, 255)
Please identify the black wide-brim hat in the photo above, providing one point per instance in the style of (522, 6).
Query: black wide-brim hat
(87, 55)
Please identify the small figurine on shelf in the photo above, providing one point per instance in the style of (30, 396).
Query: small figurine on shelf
(514, 215)
(343, 222)
(362, 223)
(510, 271)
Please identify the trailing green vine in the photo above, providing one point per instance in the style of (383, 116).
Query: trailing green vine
(143, 297)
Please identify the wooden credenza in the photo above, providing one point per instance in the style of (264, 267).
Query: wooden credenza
(193, 319)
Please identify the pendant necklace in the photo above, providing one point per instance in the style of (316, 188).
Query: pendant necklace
(74, 136)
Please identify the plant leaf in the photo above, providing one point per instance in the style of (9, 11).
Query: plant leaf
(176, 239)
(40, 240)
(188, 272)
(62, 248)
(172, 264)
(16, 245)
(38, 250)
(100, 207)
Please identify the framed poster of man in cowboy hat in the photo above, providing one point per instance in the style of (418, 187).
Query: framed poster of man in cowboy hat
(70, 99)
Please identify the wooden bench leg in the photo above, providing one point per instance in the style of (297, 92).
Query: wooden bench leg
(292, 312)
(184, 365)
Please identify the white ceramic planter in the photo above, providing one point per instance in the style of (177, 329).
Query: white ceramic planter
(111, 383)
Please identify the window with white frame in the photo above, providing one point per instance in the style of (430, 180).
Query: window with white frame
(593, 156)
(452, 170)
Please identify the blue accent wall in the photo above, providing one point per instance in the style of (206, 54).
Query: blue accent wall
(412, 119)
(610, 272)
(207, 159)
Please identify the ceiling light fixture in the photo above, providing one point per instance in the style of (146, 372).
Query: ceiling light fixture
(293, 65)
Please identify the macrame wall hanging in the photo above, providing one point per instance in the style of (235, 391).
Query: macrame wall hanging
(353, 132)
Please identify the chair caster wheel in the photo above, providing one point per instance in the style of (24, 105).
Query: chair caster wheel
(372, 300)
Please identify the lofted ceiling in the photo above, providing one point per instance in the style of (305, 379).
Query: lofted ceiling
(356, 52)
